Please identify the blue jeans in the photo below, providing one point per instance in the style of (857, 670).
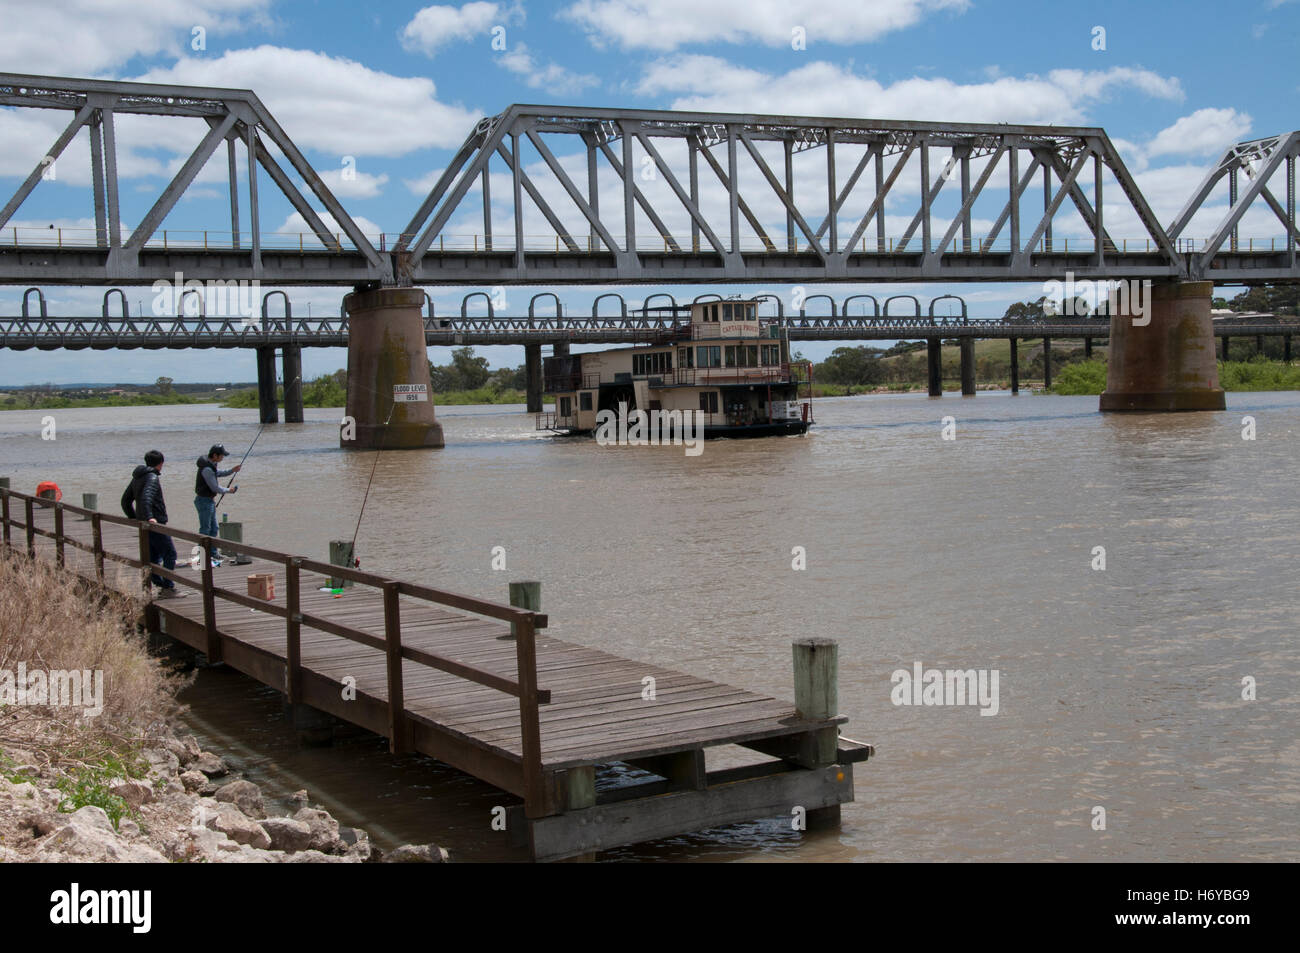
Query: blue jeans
(162, 551)
(207, 507)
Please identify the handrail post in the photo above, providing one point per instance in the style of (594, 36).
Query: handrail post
(58, 535)
(529, 724)
(31, 530)
(393, 648)
(293, 631)
(4, 504)
(209, 606)
(144, 553)
(97, 535)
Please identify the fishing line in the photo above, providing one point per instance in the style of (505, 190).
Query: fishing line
(352, 547)
(245, 456)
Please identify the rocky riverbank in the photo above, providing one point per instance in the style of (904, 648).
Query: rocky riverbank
(178, 804)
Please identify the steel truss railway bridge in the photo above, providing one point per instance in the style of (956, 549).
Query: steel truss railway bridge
(688, 198)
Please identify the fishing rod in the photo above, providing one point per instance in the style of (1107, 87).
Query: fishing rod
(352, 547)
(222, 496)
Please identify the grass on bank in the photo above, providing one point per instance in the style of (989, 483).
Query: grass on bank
(326, 396)
(49, 625)
(1089, 377)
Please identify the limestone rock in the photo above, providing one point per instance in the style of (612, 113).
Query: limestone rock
(210, 764)
(194, 780)
(229, 821)
(245, 795)
(288, 834)
(416, 854)
(134, 793)
(324, 830)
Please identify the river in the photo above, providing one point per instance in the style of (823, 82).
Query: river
(1118, 688)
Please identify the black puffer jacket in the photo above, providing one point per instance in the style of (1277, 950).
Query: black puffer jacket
(131, 495)
(150, 504)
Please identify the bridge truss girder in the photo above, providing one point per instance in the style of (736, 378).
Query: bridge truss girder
(235, 117)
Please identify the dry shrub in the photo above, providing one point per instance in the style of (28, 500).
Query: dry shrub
(50, 619)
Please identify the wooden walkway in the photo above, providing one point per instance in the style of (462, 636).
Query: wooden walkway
(442, 674)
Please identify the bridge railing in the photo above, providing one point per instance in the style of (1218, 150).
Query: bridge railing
(26, 236)
(524, 623)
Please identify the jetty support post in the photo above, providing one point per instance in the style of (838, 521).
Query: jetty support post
(89, 501)
(1015, 366)
(525, 595)
(816, 697)
(341, 555)
(1047, 363)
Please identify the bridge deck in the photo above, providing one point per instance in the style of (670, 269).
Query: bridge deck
(596, 713)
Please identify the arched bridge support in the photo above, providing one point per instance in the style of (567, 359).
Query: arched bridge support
(1166, 362)
(386, 350)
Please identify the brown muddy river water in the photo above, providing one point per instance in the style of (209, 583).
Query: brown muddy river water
(1118, 688)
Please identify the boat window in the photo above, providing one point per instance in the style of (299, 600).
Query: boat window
(584, 400)
(726, 312)
(751, 311)
(685, 357)
(709, 401)
(750, 354)
(731, 355)
(566, 406)
(708, 356)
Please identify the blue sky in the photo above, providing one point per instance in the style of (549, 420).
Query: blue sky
(396, 87)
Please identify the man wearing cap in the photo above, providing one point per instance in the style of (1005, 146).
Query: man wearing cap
(207, 489)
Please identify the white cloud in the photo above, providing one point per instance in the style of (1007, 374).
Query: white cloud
(331, 103)
(1204, 132)
(354, 185)
(89, 37)
(296, 225)
(665, 25)
(434, 27)
(709, 83)
(553, 78)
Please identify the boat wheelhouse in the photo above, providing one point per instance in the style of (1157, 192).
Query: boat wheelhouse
(726, 363)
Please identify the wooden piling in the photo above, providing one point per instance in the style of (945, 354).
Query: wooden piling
(816, 697)
(341, 555)
(525, 595)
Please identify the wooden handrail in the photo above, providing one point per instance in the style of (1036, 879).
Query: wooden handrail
(525, 622)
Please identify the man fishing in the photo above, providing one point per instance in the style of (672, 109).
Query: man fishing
(207, 490)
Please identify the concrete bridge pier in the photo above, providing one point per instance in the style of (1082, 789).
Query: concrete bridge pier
(1047, 362)
(967, 348)
(1087, 348)
(533, 373)
(386, 350)
(269, 412)
(1225, 347)
(1015, 366)
(934, 365)
(1167, 364)
(291, 360)
(1286, 348)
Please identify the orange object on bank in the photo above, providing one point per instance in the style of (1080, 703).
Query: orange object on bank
(48, 486)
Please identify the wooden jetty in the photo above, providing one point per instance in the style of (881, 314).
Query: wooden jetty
(480, 686)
